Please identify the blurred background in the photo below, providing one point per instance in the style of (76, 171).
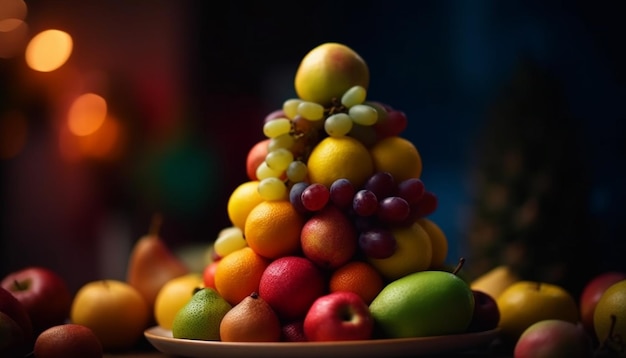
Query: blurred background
(516, 107)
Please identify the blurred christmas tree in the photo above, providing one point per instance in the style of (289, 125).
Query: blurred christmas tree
(530, 188)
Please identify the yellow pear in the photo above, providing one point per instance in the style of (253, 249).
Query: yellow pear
(152, 264)
(495, 281)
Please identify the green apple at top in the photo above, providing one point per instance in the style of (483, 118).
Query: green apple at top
(421, 304)
(328, 71)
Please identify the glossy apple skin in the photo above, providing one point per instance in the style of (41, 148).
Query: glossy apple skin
(338, 316)
(16, 332)
(591, 294)
(43, 293)
(486, 314)
(256, 156)
(554, 339)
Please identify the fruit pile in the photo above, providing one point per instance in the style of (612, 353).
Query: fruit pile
(330, 235)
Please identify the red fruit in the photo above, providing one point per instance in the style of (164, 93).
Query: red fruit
(68, 341)
(339, 316)
(591, 294)
(256, 156)
(293, 331)
(16, 331)
(208, 274)
(43, 293)
(290, 285)
(329, 238)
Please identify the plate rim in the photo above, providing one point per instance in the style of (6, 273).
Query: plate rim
(160, 337)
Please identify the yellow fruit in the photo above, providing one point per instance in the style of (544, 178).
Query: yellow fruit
(525, 302)
(241, 201)
(114, 310)
(328, 71)
(609, 317)
(397, 156)
(173, 296)
(438, 240)
(413, 253)
(340, 157)
(495, 281)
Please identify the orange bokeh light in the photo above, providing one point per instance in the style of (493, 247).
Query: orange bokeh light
(86, 114)
(48, 50)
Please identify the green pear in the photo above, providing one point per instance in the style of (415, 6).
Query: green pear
(201, 316)
(421, 304)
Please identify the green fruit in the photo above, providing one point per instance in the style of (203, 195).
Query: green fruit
(425, 303)
(200, 318)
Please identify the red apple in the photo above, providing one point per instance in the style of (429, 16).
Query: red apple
(486, 314)
(43, 293)
(68, 341)
(255, 157)
(329, 238)
(16, 332)
(554, 338)
(591, 294)
(338, 316)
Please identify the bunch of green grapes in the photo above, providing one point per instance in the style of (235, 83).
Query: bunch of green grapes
(299, 125)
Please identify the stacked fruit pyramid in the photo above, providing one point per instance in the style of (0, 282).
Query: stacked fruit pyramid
(334, 210)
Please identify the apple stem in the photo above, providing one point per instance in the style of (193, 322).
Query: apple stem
(18, 285)
(254, 295)
(155, 224)
(459, 266)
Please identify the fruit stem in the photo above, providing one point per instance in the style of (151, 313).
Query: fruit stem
(254, 295)
(155, 224)
(459, 266)
(18, 285)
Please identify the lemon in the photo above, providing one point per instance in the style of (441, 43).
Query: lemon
(397, 156)
(241, 201)
(201, 316)
(413, 253)
(173, 296)
(340, 157)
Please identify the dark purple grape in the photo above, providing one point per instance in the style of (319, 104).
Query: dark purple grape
(426, 206)
(377, 243)
(393, 209)
(341, 193)
(382, 184)
(315, 197)
(394, 124)
(365, 203)
(295, 196)
(411, 190)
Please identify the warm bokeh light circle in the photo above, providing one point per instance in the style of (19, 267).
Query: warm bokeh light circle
(48, 50)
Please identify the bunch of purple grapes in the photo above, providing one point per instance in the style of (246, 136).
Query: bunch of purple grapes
(376, 207)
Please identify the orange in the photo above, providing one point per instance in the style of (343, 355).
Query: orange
(238, 274)
(397, 156)
(339, 157)
(273, 228)
(438, 240)
(243, 199)
(358, 277)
